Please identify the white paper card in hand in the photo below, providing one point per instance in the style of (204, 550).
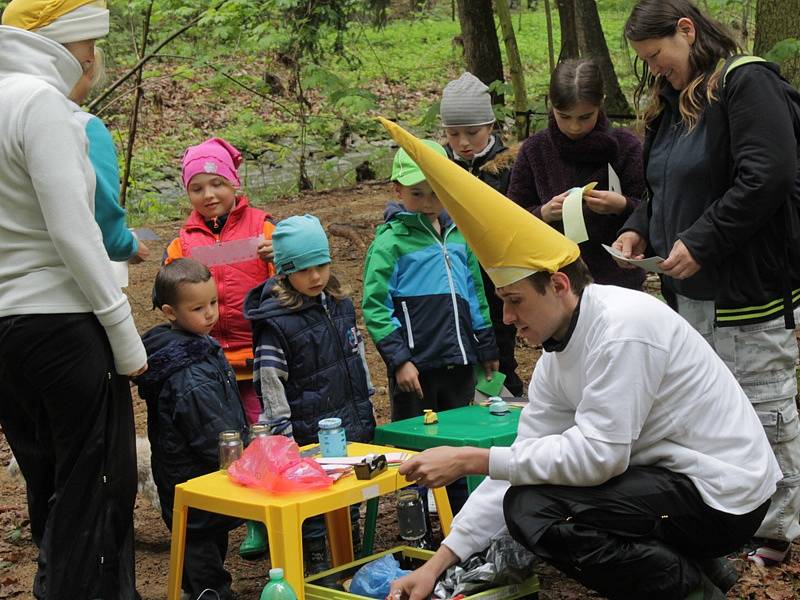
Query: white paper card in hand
(227, 253)
(613, 181)
(572, 214)
(651, 263)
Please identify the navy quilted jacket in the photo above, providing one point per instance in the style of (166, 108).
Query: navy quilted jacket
(191, 396)
(309, 365)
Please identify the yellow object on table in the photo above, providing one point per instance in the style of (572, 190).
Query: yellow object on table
(283, 514)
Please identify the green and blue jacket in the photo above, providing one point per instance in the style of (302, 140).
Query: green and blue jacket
(423, 295)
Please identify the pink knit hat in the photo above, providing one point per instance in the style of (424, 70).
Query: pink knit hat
(214, 156)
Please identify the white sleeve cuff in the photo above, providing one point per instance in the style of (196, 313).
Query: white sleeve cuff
(461, 544)
(500, 463)
(126, 346)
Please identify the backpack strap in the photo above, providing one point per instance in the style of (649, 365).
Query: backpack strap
(738, 61)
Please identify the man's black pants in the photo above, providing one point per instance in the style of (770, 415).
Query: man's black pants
(68, 418)
(638, 535)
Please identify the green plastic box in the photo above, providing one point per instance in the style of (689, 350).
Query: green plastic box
(328, 584)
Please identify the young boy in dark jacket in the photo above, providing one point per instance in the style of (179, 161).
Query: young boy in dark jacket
(468, 121)
(191, 396)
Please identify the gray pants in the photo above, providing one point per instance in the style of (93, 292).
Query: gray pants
(762, 357)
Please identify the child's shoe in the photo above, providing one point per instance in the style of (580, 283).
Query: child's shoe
(770, 553)
(254, 544)
(315, 555)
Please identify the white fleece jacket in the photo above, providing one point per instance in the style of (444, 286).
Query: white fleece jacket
(52, 258)
(635, 385)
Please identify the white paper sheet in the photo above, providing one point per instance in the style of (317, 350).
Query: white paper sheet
(227, 253)
(120, 270)
(648, 264)
(572, 214)
(613, 180)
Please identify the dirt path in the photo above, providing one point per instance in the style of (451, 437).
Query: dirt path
(352, 213)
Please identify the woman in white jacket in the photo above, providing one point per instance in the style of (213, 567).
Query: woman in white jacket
(67, 337)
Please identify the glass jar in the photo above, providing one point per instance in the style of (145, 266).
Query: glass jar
(411, 516)
(332, 438)
(258, 430)
(230, 448)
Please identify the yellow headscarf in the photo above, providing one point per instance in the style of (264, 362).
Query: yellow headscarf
(35, 14)
(509, 241)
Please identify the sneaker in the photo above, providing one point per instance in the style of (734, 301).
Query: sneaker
(720, 572)
(770, 553)
(254, 544)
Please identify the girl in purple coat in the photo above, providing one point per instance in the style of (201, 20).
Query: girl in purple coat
(576, 148)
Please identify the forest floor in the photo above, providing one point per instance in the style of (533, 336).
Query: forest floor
(358, 209)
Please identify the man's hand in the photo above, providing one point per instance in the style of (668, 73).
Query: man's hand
(489, 367)
(407, 378)
(631, 245)
(442, 465)
(419, 584)
(680, 263)
(552, 210)
(265, 251)
(605, 203)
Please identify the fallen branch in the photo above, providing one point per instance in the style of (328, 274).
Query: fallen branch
(347, 232)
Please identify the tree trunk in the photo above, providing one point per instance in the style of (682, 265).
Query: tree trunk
(134, 122)
(777, 20)
(569, 30)
(521, 118)
(481, 46)
(593, 45)
(550, 45)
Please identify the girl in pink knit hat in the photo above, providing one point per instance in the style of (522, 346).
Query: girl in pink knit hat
(234, 240)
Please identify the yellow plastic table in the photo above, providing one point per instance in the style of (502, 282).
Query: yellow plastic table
(283, 514)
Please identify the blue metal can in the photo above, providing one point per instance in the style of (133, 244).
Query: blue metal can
(332, 438)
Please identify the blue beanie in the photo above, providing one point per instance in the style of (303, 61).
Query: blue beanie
(299, 243)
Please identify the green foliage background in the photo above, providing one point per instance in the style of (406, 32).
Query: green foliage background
(281, 77)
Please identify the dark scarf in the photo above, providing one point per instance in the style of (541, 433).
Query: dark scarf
(598, 147)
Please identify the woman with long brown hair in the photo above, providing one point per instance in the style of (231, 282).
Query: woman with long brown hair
(721, 162)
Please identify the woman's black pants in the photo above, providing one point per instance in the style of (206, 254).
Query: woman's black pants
(68, 418)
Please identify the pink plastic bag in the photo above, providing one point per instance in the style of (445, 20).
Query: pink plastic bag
(274, 464)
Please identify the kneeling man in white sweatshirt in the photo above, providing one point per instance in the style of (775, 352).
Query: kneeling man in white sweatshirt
(639, 460)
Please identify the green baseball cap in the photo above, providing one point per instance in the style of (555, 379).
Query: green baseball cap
(405, 171)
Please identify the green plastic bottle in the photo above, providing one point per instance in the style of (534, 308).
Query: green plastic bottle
(277, 588)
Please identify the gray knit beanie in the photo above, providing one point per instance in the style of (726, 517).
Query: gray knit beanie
(466, 103)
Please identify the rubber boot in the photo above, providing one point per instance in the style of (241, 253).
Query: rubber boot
(720, 572)
(254, 544)
(706, 590)
(315, 555)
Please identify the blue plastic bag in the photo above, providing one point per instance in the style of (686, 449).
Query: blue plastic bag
(375, 578)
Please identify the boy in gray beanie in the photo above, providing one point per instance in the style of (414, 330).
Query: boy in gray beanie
(468, 121)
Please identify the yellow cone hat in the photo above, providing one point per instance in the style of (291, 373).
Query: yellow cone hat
(509, 241)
